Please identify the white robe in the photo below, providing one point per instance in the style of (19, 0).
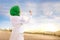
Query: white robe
(18, 29)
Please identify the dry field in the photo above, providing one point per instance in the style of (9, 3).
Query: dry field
(4, 35)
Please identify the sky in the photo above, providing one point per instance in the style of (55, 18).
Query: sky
(44, 12)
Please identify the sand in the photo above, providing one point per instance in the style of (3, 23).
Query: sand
(4, 35)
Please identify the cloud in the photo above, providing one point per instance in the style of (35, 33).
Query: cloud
(57, 19)
(41, 12)
(47, 9)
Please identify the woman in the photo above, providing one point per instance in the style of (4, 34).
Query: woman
(17, 21)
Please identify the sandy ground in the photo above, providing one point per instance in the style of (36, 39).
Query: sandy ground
(4, 35)
(40, 37)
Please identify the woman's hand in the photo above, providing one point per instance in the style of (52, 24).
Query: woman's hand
(30, 12)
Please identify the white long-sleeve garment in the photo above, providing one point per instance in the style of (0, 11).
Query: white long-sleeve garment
(18, 29)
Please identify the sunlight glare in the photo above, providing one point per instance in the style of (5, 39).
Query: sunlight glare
(48, 27)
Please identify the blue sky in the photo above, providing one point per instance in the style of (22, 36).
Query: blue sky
(44, 11)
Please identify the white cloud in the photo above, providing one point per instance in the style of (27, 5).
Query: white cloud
(47, 9)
